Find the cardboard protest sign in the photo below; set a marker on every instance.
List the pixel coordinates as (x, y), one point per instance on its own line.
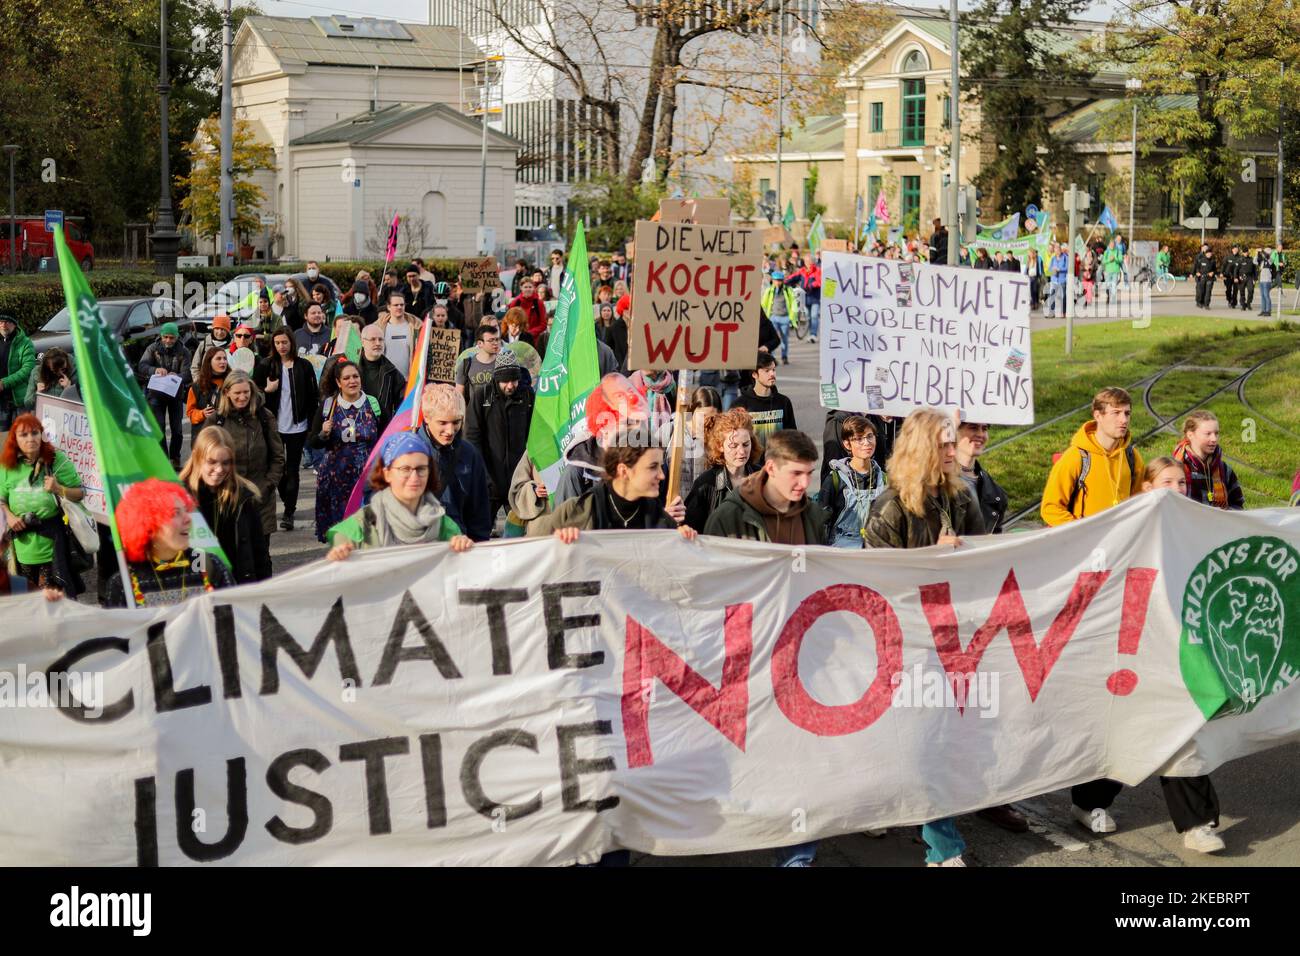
(702, 212)
(444, 347)
(775, 236)
(835, 245)
(479, 274)
(900, 335)
(510, 683)
(67, 428)
(695, 300)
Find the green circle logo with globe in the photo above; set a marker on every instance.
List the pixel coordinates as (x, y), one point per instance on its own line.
(1241, 625)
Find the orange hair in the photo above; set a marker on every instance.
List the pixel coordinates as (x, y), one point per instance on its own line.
(146, 507)
(27, 423)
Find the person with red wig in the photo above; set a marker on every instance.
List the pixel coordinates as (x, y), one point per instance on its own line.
(34, 475)
(153, 521)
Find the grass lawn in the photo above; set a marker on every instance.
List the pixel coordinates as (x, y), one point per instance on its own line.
(1207, 353)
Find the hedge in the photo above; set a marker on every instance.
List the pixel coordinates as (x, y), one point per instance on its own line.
(33, 298)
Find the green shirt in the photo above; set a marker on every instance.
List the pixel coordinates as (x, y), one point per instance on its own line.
(22, 495)
(351, 528)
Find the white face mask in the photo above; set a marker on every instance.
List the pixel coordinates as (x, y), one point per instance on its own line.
(361, 300)
(313, 273)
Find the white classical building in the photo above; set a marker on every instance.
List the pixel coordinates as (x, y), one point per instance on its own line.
(364, 119)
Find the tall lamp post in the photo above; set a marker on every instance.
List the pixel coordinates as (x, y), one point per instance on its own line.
(1133, 84)
(165, 240)
(12, 149)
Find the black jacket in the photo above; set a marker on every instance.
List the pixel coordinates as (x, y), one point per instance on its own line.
(392, 385)
(939, 247)
(616, 339)
(991, 499)
(1205, 265)
(175, 361)
(498, 427)
(707, 492)
(239, 530)
(770, 413)
(304, 392)
(893, 526)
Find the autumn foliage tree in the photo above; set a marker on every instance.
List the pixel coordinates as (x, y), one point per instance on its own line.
(203, 183)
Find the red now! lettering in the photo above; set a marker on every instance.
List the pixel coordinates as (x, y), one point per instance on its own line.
(793, 698)
(1009, 614)
(725, 707)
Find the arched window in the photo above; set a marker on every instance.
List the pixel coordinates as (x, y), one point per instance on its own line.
(915, 62)
(434, 211)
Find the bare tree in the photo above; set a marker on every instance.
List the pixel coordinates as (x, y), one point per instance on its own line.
(412, 234)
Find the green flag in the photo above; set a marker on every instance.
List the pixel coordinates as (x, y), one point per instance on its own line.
(125, 434)
(788, 219)
(570, 370)
(816, 234)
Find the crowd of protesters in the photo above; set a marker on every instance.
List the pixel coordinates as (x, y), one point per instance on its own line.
(464, 475)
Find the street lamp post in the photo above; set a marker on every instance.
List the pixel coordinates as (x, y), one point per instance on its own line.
(12, 149)
(1133, 84)
(165, 240)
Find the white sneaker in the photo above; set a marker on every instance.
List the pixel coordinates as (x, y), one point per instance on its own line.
(1203, 839)
(876, 834)
(812, 339)
(951, 861)
(1096, 820)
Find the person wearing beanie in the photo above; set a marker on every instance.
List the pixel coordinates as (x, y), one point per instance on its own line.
(218, 338)
(167, 356)
(496, 423)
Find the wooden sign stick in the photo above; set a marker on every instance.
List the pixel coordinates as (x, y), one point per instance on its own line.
(679, 447)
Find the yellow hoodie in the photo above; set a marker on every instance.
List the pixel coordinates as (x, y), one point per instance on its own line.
(1108, 483)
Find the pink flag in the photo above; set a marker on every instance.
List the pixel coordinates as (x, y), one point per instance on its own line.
(392, 238)
(409, 415)
(881, 212)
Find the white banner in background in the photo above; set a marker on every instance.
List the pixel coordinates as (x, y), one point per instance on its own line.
(898, 335)
(530, 703)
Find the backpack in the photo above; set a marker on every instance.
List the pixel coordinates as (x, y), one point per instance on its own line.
(1086, 465)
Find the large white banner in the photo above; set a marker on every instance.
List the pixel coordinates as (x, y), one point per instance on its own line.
(898, 335)
(530, 703)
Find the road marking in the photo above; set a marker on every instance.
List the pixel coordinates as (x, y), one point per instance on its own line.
(1039, 822)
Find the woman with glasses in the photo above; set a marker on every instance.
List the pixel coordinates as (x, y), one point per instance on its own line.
(405, 507)
(853, 484)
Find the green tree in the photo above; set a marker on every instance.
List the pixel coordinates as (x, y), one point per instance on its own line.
(1012, 52)
(203, 183)
(610, 207)
(1226, 58)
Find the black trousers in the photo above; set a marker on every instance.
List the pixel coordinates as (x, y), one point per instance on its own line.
(173, 409)
(1204, 286)
(1230, 287)
(289, 481)
(1192, 801)
(1246, 297)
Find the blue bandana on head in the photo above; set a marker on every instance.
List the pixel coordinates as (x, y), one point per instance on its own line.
(405, 443)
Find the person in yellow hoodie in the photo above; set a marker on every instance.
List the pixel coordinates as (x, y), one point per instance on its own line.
(1101, 467)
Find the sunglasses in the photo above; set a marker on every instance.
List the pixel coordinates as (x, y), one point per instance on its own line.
(243, 335)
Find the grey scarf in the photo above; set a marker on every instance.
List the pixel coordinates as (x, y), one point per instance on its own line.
(395, 525)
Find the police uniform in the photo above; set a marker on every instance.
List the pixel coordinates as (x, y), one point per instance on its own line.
(1204, 269)
(1231, 276)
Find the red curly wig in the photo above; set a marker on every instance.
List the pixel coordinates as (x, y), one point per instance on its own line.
(25, 423)
(146, 507)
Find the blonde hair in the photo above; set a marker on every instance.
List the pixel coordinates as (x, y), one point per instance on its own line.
(442, 398)
(214, 436)
(1156, 466)
(225, 407)
(1194, 420)
(916, 465)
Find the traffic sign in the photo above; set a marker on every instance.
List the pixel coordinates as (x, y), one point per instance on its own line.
(268, 219)
(1205, 210)
(53, 217)
(1201, 222)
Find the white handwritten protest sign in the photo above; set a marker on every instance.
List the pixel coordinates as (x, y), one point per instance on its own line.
(696, 298)
(900, 335)
(532, 702)
(68, 429)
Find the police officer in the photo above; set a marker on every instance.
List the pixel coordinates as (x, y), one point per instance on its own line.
(1247, 273)
(1231, 276)
(1204, 269)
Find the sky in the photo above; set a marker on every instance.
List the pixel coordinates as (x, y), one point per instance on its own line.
(417, 11)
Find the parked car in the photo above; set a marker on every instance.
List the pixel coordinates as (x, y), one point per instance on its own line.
(233, 298)
(134, 320)
(34, 243)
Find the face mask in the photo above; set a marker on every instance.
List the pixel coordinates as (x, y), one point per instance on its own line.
(360, 300)
(313, 273)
